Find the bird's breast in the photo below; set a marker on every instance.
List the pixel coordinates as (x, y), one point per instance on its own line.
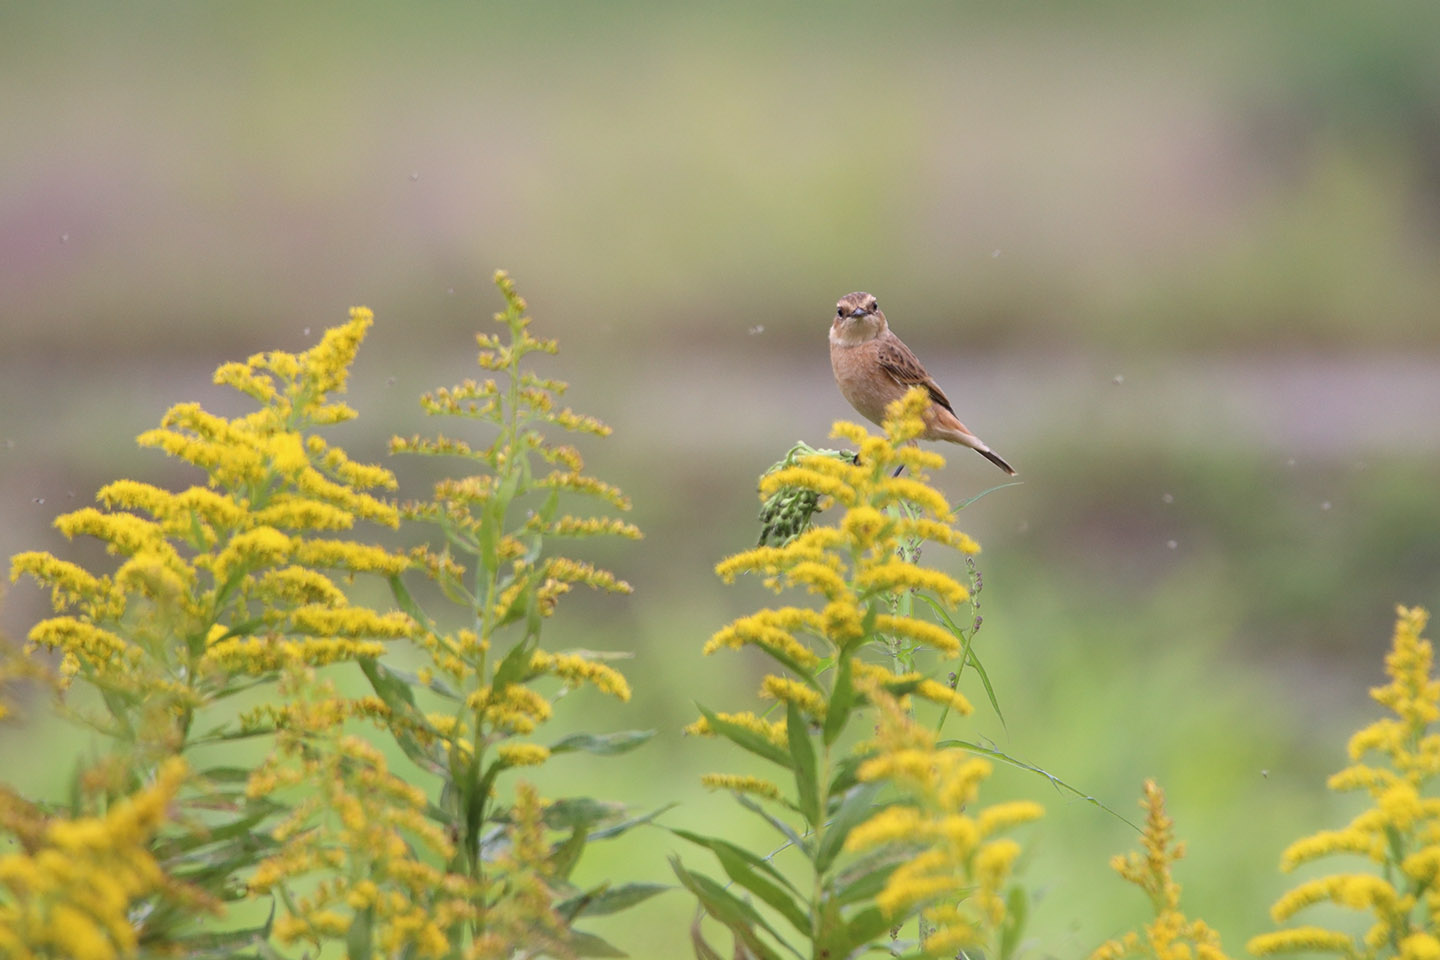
(862, 381)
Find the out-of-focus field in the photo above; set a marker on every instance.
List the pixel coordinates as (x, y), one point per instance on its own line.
(1178, 266)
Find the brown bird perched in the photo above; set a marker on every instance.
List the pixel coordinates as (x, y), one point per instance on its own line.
(873, 367)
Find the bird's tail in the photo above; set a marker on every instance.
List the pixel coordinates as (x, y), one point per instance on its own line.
(996, 459)
(956, 432)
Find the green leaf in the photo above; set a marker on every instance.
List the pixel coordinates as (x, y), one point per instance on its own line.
(967, 654)
(841, 698)
(514, 668)
(865, 879)
(1017, 906)
(740, 917)
(865, 926)
(564, 856)
(745, 738)
(581, 812)
(716, 845)
(395, 692)
(1055, 781)
(633, 822)
(802, 755)
(857, 806)
(745, 868)
(605, 744)
(406, 602)
(435, 684)
(605, 900)
(783, 903)
(780, 826)
(226, 944)
(360, 936)
(965, 503)
(584, 944)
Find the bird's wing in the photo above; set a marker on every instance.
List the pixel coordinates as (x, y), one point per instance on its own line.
(897, 360)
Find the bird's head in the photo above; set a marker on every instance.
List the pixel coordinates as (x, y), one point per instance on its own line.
(857, 319)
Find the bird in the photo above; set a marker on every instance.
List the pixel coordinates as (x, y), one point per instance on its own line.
(873, 367)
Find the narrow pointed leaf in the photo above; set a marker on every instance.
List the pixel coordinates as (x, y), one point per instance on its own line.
(716, 845)
(865, 927)
(802, 756)
(594, 903)
(841, 698)
(630, 824)
(1055, 781)
(605, 744)
(857, 806)
(865, 880)
(783, 828)
(585, 944)
(746, 738)
(740, 917)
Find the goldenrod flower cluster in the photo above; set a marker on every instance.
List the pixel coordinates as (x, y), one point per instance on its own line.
(70, 891)
(361, 829)
(520, 919)
(854, 569)
(959, 872)
(488, 684)
(234, 577)
(1400, 832)
(214, 589)
(1170, 936)
(495, 562)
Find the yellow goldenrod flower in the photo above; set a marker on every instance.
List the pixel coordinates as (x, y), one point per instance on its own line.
(1394, 761)
(774, 732)
(575, 669)
(1169, 936)
(758, 786)
(1298, 939)
(72, 890)
(522, 754)
(895, 576)
(808, 699)
(955, 850)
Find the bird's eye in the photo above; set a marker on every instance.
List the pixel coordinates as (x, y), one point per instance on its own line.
(874, 304)
(839, 311)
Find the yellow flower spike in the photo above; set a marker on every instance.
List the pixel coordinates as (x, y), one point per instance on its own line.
(1420, 946)
(522, 754)
(1170, 935)
(575, 669)
(863, 524)
(937, 692)
(898, 824)
(953, 844)
(809, 700)
(908, 489)
(1400, 831)
(920, 631)
(69, 583)
(811, 478)
(756, 786)
(895, 575)
(905, 417)
(774, 732)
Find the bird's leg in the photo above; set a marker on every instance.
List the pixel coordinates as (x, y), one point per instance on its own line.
(912, 443)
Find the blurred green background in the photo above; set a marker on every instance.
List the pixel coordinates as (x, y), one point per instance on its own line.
(1179, 265)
